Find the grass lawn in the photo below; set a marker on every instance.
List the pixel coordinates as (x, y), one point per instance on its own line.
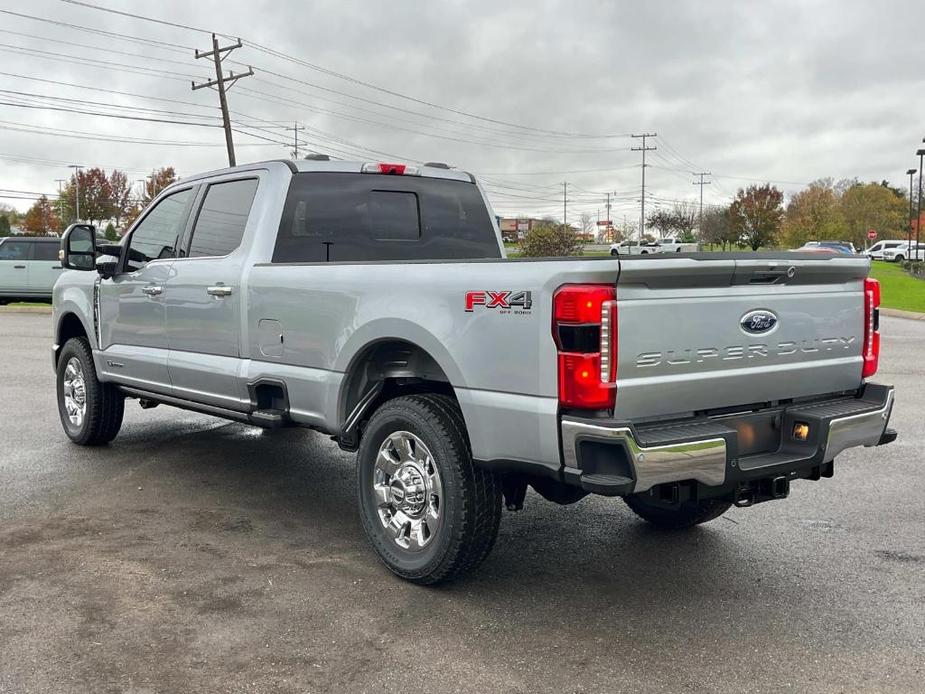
(898, 289)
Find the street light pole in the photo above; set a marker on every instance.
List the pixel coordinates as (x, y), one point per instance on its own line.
(77, 168)
(918, 207)
(910, 173)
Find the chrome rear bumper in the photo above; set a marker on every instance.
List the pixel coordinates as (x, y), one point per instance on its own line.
(617, 458)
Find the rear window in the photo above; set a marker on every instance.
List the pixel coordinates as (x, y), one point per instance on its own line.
(45, 251)
(347, 217)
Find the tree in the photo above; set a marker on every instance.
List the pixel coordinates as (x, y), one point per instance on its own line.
(96, 200)
(156, 182)
(110, 233)
(755, 215)
(679, 221)
(814, 214)
(120, 193)
(41, 219)
(717, 229)
(661, 220)
(548, 239)
(874, 206)
(4, 225)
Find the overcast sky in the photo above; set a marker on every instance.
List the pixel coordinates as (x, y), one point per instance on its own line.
(780, 91)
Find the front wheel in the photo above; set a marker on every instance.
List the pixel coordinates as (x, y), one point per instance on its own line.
(428, 511)
(667, 517)
(614, 251)
(91, 412)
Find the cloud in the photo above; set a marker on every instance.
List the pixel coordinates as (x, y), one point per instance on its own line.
(785, 91)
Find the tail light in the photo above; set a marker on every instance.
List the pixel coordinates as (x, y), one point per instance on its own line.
(393, 169)
(871, 327)
(585, 331)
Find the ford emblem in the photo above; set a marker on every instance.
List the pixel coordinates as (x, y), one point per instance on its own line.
(758, 322)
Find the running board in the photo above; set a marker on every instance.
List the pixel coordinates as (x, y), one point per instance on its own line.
(266, 419)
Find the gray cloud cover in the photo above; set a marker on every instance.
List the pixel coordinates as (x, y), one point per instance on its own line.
(786, 91)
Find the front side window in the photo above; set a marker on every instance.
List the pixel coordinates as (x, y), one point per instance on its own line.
(14, 250)
(220, 225)
(156, 235)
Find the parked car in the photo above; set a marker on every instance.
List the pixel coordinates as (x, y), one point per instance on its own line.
(373, 303)
(905, 251)
(875, 252)
(29, 267)
(843, 247)
(675, 246)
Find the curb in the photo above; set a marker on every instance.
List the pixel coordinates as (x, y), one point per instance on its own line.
(899, 313)
(26, 309)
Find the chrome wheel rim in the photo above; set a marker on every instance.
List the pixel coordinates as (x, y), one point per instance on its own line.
(408, 491)
(75, 392)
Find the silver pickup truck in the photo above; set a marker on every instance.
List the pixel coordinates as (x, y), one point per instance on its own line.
(374, 303)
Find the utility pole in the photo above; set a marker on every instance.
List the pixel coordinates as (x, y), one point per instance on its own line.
(701, 183)
(565, 203)
(609, 227)
(219, 82)
(77, 168)
(642, 202)
(295, 138)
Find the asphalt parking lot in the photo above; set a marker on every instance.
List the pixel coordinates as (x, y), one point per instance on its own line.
(199, 555)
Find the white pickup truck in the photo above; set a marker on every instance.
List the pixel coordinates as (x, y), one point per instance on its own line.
(374, 303)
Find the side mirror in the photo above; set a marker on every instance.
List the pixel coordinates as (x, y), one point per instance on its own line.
(78, 247)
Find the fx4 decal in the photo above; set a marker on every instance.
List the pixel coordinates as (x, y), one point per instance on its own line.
(507, 301)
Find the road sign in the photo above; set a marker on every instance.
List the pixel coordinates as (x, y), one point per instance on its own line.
(871, 234)
(605, 223)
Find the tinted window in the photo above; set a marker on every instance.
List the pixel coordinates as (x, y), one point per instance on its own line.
(45, 251)
(345, 217)
(222, 218)
(14, 250)
(156, 235)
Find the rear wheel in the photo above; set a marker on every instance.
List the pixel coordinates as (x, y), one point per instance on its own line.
(428, 511)
(91, 412)
(688, 514)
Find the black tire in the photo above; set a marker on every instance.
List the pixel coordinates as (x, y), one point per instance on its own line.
(104, 405)
(899, 258)
(614, 251)
(471, 496)
(666, 517)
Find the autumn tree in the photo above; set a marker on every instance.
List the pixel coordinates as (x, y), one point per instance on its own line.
(814, 214)
(41, 219)
(874, 206)
(156, 182)
(120, 191)
(4, 224)
(755, 215)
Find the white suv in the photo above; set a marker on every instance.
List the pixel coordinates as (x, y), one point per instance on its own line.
(876, 251)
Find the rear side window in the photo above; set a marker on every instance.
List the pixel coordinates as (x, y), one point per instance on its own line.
(15, 250)
(220, 225)
(349, 217)
(45, 251)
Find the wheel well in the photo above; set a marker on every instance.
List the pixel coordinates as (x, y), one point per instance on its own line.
(68, 327)
(380, 372)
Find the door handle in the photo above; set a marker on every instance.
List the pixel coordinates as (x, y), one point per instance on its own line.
(219, 290)
(153, 290)
(19, 267)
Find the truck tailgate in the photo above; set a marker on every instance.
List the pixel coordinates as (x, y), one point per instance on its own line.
(699, 333)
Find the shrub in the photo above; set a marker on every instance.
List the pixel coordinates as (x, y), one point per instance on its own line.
(548, 240)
